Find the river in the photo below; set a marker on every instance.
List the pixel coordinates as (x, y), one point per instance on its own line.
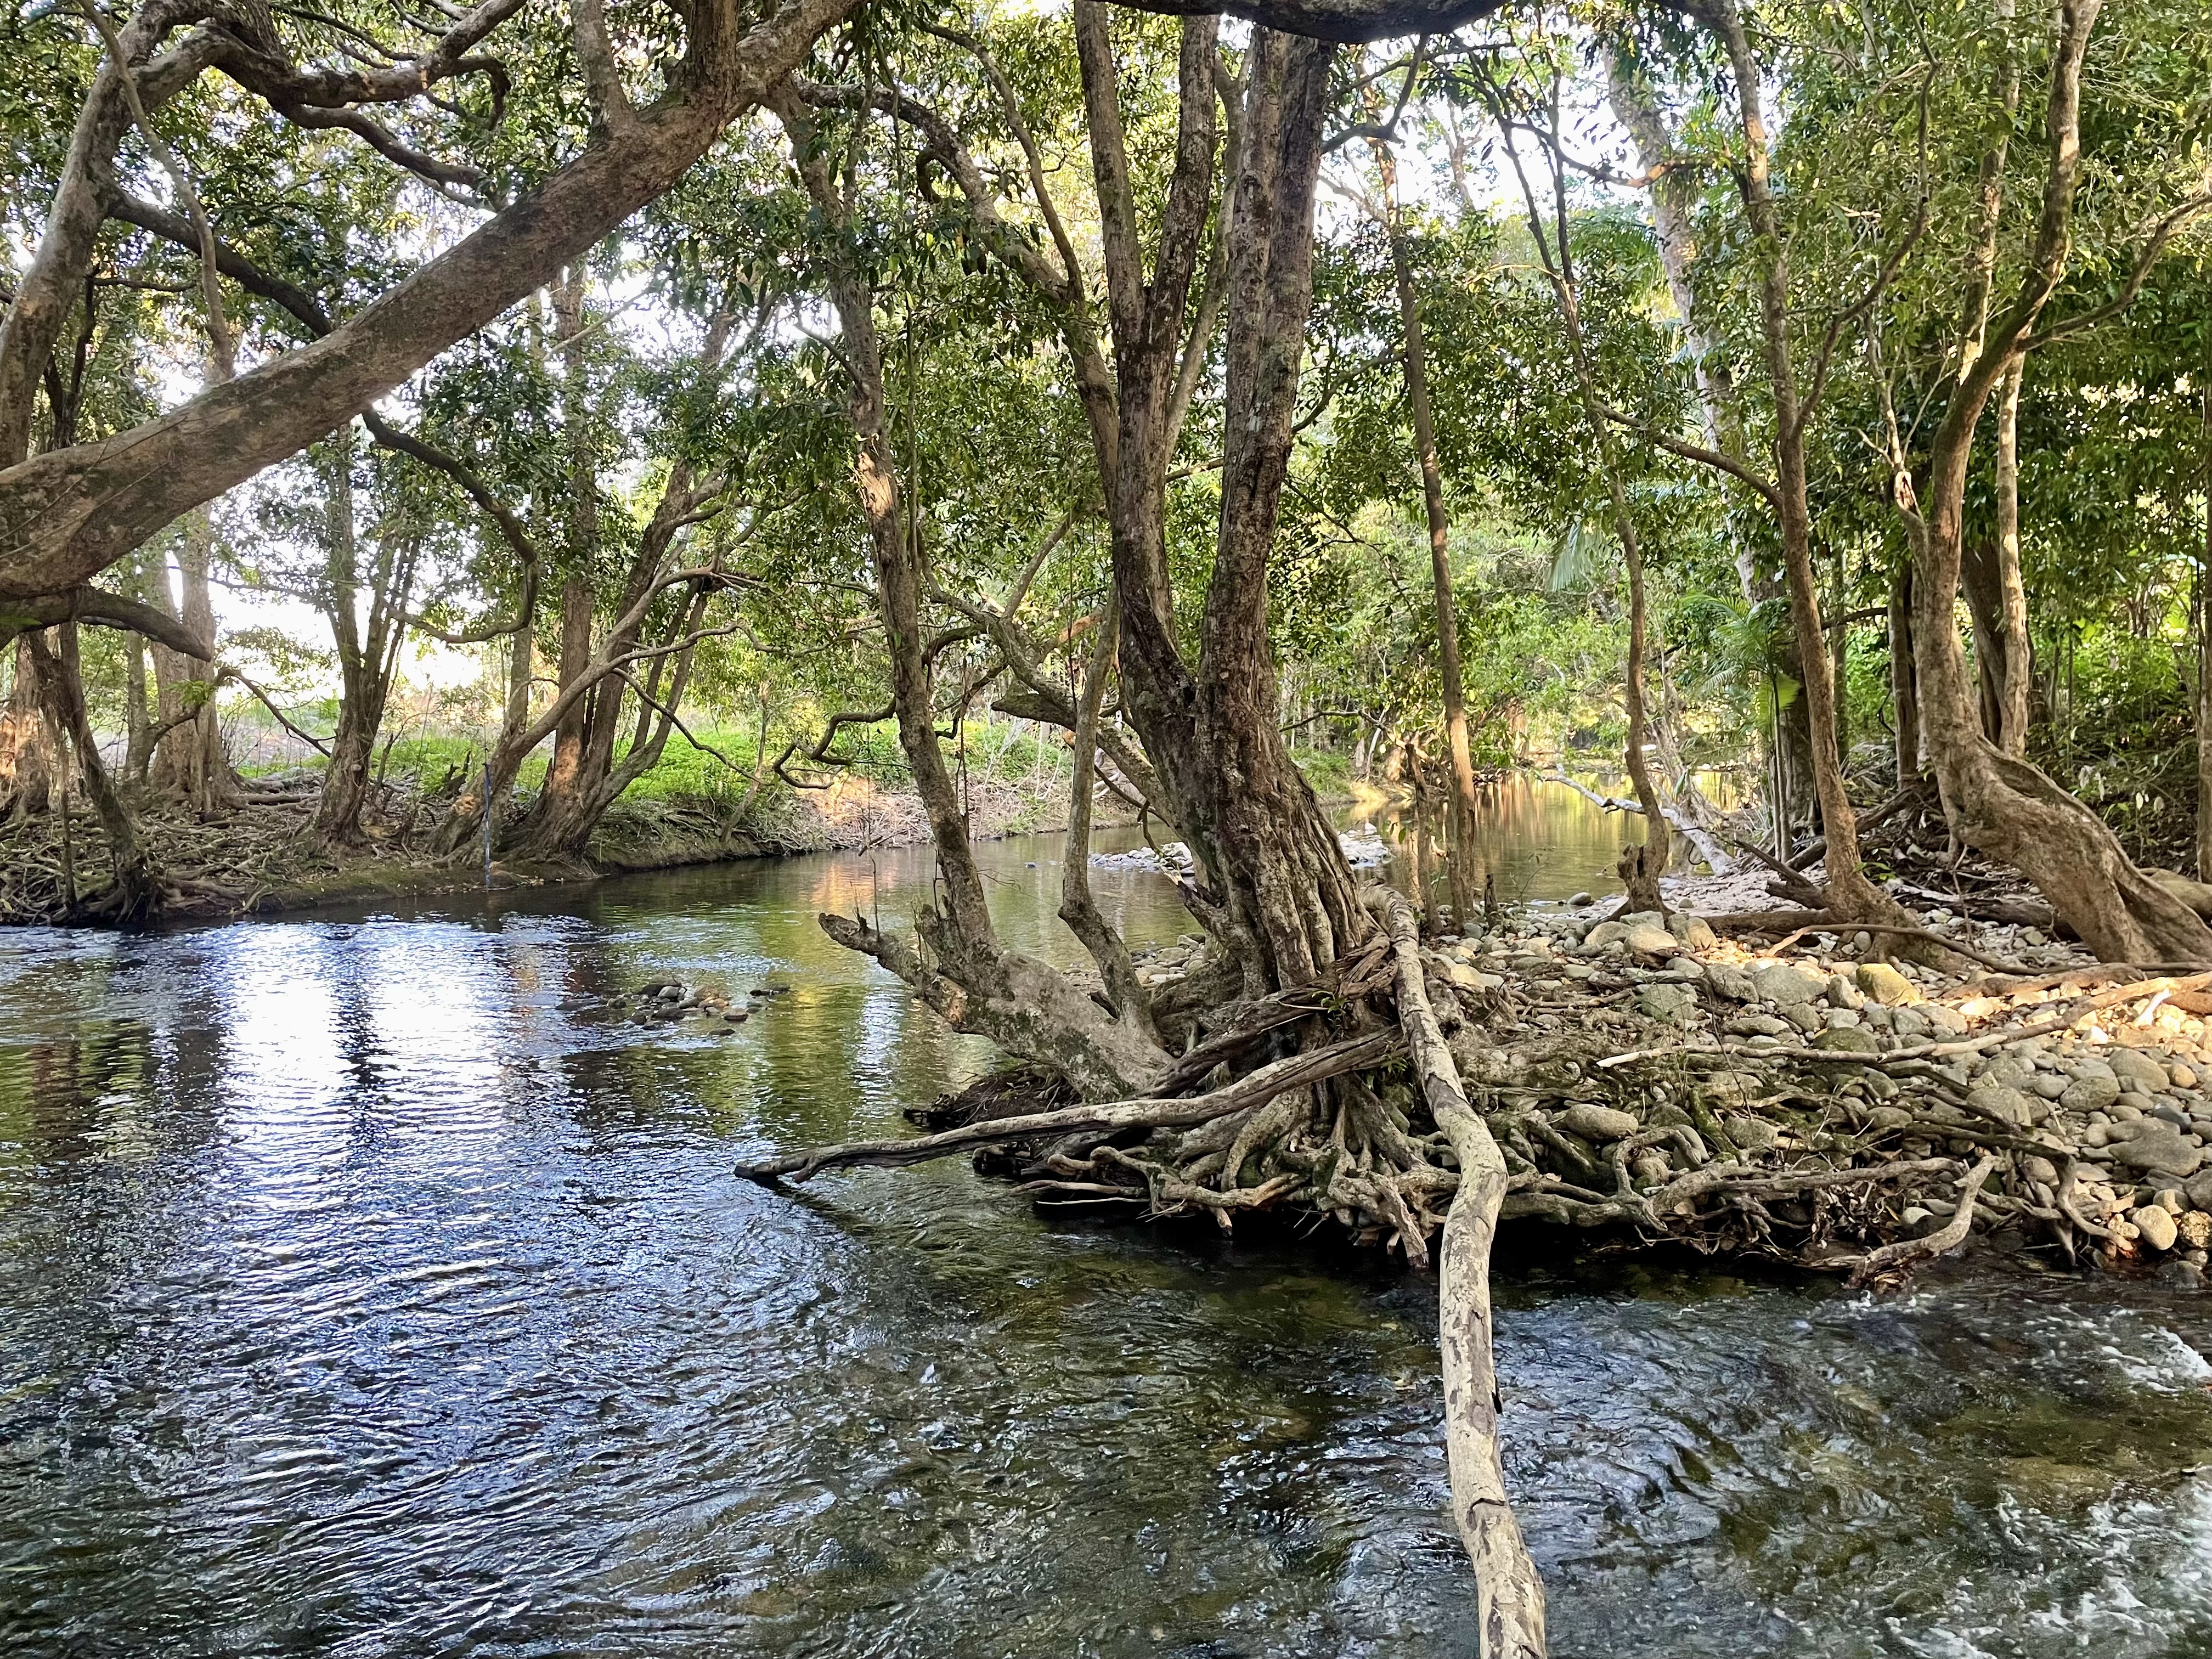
(371, 1285)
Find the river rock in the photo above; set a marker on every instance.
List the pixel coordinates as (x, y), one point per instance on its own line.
(2180, 1076)
(1580, 899)
(1909, 1023)
(2130, 1063)
(1885, 985)
(1842, 994)
(1779, 982)
(1660, 1000)
(2007, 1103)
(1753, 1134)
(2040, 1169)
(1647, 939)
(1943, 1022)
(1848, 1039)
(2049, 1085)
(1756, 1025)
(1605, 933)
(2195, 1228)
(1692, 931)
(2010, 1070)
(2089, 1094)
(2155, 1225)
(1731, 982)
(1688, 969)
(1804, 1016)
(1735, 1088)
(1888, 1117)
(2155, 1148)
(1598, 1123)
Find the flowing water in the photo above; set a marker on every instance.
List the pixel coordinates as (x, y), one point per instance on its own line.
(370, 1285)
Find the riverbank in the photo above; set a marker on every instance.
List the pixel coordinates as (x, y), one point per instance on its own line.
(1803, 1101)
(263, 857)
(1817, 1104)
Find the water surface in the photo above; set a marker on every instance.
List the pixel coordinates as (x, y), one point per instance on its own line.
(370, 1286)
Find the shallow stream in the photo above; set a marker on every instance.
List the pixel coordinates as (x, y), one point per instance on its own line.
(370, 1286)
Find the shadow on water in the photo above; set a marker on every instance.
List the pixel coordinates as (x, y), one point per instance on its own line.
(370, 1284)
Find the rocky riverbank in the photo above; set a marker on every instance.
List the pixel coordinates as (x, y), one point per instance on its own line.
(1814, 1101)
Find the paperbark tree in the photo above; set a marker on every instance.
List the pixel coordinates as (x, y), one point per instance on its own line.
(368, 641)
(1796, 397)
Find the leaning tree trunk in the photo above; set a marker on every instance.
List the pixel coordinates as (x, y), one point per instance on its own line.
(2002, 805)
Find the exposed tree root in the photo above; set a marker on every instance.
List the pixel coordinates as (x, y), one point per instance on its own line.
(1425, 1097)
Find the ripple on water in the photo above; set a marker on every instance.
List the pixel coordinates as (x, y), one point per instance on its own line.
(370, 1287)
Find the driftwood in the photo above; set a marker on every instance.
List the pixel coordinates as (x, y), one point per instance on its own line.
(1681, 822)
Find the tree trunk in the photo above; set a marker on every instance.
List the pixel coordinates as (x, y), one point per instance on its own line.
(191, 761)
(1998, 804)
(1462, 805)
(138, 727)
(1026, 1007)
(1288, 895)
(2204, 659)
(553, 819)
(1904, 682)
(2011, 735)
(1851, 896)
(29, 762)
(134, 896)
(70, 514)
